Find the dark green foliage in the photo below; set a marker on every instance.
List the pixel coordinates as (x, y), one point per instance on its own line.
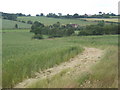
(58, 30)
(118, 29)
(83, 33)
(29, 22)
(76, 15)
(99, 15)
(101, 23)
(52, 15)
(37, 15)
(16, 26)
(9, 16)
(95, 29)
(111, 29)
(20, 14)
(38, 36)
(23, 21)
(41, 14)
(37, 28)
(100, 29)
(29, 15)
(55, 30)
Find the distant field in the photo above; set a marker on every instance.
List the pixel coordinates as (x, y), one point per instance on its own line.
(105, 19)
(23, 56)
(49, 21)
(9, 24)
(15, 30)
(114, 16)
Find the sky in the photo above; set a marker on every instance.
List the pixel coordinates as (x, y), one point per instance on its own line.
(81, 7)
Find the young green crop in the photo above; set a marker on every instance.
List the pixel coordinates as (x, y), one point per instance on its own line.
(23, 56)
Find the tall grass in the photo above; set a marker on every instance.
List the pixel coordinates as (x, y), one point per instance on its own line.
(22, 57)
(106, 71)
(104, 74)
(57, 81)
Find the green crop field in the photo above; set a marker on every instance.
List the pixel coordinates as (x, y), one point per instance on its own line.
(8, 24)
(23, 56)
(49, 21)
(102, 75)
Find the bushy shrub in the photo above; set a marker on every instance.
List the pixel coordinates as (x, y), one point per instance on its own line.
(37, 36)
(100, 29)
(55, 30)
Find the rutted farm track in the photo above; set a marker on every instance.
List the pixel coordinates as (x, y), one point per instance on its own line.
(81, 63)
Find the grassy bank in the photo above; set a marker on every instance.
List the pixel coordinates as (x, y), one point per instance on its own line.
(105, 73)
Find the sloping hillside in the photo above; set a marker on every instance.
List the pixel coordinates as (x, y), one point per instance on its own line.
(9, 24)
(49, 21)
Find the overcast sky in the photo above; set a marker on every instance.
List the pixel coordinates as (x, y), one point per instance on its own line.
(34, 7)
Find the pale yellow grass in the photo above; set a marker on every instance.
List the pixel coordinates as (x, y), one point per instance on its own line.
(100, 19)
